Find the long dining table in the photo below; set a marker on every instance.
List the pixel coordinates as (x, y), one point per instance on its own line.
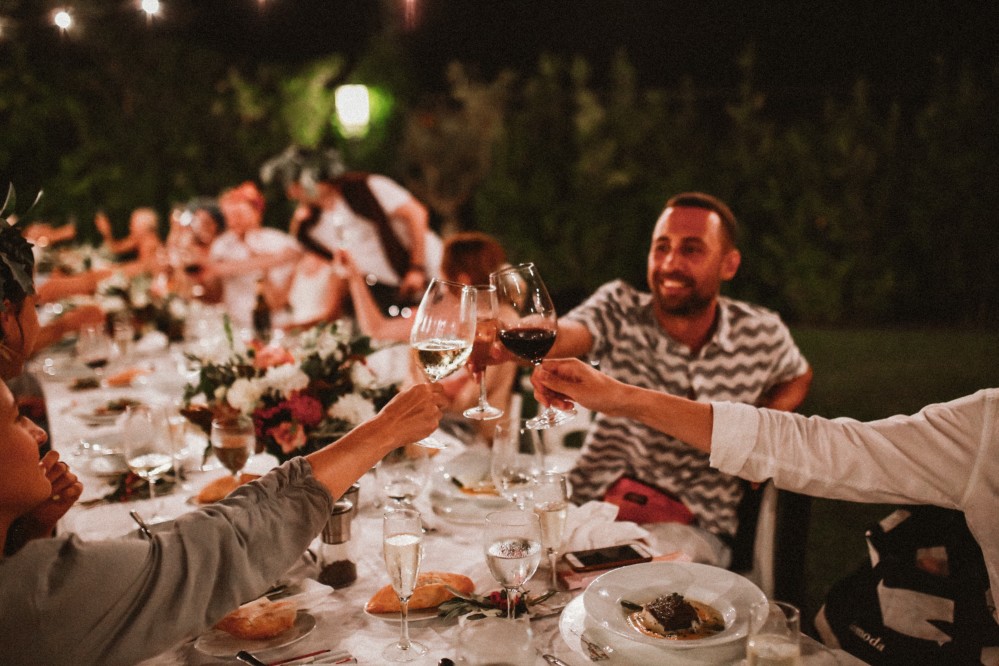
(341, 624)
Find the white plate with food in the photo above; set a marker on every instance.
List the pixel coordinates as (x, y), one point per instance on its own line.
(672, 605)
(104, 412)
(462, 488)
(218, 643)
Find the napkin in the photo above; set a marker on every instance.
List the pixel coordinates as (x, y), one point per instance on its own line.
(592, 525)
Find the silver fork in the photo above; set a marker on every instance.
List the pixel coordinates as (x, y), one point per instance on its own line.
(596, 652)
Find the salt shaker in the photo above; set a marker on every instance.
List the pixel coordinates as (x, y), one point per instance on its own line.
(336, 553)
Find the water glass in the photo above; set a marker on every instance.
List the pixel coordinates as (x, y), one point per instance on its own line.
(496, 640)
(774, 635)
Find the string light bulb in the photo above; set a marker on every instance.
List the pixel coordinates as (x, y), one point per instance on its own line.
(63, 19)
(151, 7)
(353, 108)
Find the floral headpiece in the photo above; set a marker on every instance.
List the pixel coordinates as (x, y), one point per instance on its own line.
(17, 261)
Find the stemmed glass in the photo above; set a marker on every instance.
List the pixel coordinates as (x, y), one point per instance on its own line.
(233, 441)
(403, 473)
(512, 541)
(485, 336)
(443, 332)
(551, 503)
(93, 347)
(402, 540)
(528, 325)
(515, 461)
(148, 447)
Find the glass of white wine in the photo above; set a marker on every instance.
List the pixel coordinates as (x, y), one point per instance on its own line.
(233, 442)
(443, 333)
(148, 447)
(515, 461)
(402, 543)
(774, 635)
(512, 543)
(551, 503)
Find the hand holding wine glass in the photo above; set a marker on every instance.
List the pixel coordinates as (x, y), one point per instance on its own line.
(233, 442)
(443, 332)
(485, 335)
(512, 542)
(528, 325)
(402, 539)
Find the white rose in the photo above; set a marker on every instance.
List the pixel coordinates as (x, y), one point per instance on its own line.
(244, 394)
(177, 308)
(362, 376)
(352, 408)
(285, 379)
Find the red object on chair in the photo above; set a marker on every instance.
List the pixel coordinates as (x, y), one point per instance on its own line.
(641, 503)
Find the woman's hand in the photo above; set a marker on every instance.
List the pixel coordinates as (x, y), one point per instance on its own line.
(66, 490)
(413, 413)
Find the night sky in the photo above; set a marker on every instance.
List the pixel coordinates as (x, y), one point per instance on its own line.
(805, 49)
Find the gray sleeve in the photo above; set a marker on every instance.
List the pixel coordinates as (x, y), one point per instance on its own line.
(602, 315)
(66, 601)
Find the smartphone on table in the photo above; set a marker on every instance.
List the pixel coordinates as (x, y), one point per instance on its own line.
(608, 558)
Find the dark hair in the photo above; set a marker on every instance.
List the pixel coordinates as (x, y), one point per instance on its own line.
(715, 205)
(210, 206)
(473, 253)
(304, 166)
(17, 266)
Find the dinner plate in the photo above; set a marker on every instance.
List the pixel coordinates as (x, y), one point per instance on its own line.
(728, 593)
(218, 643)
(415, 616)
(95, 412)
(467, 469)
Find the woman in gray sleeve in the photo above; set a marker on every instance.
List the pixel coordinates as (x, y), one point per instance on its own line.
(947, 455)
(65, 601)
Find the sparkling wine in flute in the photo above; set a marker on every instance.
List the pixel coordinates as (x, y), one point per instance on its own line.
(403, 553)
(439, 358)
(513, 561)
(151, 465)
(552, 516)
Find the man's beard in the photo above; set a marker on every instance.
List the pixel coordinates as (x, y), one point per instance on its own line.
(694, 303)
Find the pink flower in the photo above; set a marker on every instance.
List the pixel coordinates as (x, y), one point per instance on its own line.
(289, 435)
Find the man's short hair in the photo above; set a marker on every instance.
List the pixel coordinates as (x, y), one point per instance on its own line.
(715, 205)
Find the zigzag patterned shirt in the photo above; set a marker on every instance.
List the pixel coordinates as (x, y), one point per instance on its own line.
(751, 351)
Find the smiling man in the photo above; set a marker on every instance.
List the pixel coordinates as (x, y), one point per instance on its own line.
(685, 339)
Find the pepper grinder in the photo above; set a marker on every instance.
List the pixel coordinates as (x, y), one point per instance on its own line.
(336, 552)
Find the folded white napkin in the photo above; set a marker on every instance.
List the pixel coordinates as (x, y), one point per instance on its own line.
(592, 525)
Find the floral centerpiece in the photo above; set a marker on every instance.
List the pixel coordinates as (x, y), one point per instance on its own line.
(299, 401)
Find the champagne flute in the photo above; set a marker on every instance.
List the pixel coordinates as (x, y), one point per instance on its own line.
(485, 336)
(443, 332)
(512, 541)
(402, 539)
(403, 473)
(93, 347)
(528, 325)
(551, 503)
(147, 445)
(233, 441)
(515, 461)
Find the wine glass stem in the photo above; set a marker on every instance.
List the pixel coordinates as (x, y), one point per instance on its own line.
(509, 602)
(552, 559)
(482, 390)
(152, 488)
(404, 637)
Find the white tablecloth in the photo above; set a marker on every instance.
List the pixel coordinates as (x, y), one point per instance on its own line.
(340, 620)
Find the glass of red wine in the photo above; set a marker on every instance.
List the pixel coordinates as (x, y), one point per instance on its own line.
(93, 348)
(528, 325)
(485, 336)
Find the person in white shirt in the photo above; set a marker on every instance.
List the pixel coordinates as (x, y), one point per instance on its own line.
(247, 252)
(946, 455)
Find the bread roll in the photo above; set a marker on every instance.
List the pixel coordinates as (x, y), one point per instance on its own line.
(431, 591)
(259, 619)
(222, 486)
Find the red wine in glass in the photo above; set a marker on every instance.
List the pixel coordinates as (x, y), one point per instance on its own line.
(529, 343)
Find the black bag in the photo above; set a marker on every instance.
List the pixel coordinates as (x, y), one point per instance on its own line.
(922, 599)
